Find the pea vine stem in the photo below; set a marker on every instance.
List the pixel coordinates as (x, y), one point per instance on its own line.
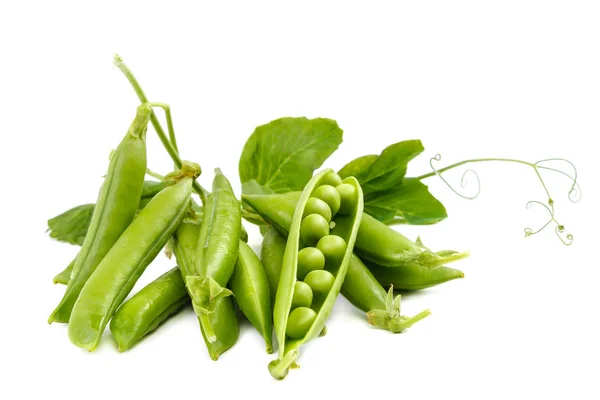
(574, 193)
(473, 160)
(169, 143)
(154, 174)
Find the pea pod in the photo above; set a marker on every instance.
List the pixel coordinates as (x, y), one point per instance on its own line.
(376, 241)
(250, 287)
(413, 277)
(148, 308)
(293, 327)
(216, 252)
(118, 271)
(271, 255)
(115, 208)
(361, 288)
(223, 320)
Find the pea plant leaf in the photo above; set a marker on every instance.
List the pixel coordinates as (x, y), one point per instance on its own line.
(253, 187)
(358, 166)
(388, 195)
(385, 171)
(282, 155)
(72, 225)
(409, 203)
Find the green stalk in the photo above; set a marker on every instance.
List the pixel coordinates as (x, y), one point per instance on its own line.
(169, 145)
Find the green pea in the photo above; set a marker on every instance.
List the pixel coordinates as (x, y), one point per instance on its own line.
(320, 281)
(329, 195)
(333, 248)
(347, 194)
(309, 259)
(303, 295)
(313, 228)
(317, 206)
(332, 179)
(299, 322)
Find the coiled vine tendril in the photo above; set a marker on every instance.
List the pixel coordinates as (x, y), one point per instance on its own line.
(574, 194)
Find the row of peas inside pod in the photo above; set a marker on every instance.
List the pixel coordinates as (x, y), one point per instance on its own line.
(315, 262)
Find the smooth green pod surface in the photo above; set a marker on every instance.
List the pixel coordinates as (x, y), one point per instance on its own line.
(223, 320)
(271, 255)
(413, 277)
(115, 208)
(250, 287)
(217, 250)
(361, 288)
(220, 232)
(148, 308)
(288, 347)
(120, 269)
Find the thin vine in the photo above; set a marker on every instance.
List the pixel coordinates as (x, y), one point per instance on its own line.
(574, 194)
(169, 143)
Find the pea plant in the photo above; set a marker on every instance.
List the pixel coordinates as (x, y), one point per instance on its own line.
(324, 233)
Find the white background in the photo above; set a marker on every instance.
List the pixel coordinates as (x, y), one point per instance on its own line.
(471, 79)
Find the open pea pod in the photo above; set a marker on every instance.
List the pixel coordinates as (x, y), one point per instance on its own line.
(319, 259)
(360, 286)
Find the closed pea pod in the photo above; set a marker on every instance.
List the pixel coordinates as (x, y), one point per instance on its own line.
(361, 288)
(250, 287)
(297, 326)
(119, 270)
(413, 277)
(224, 319)
(376, 241)
(216, 252)
(271, 256)
(115, 209)
(148, 308)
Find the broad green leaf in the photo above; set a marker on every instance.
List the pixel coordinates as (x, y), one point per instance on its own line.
(357, 166)
(72, 225)
(253, 187)
(385, 172)
(411, 201)
(283, 154)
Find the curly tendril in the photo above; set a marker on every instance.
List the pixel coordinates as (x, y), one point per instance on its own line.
(464, 180)
(574, 194)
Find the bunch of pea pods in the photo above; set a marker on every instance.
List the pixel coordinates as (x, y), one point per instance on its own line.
(317, 243)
